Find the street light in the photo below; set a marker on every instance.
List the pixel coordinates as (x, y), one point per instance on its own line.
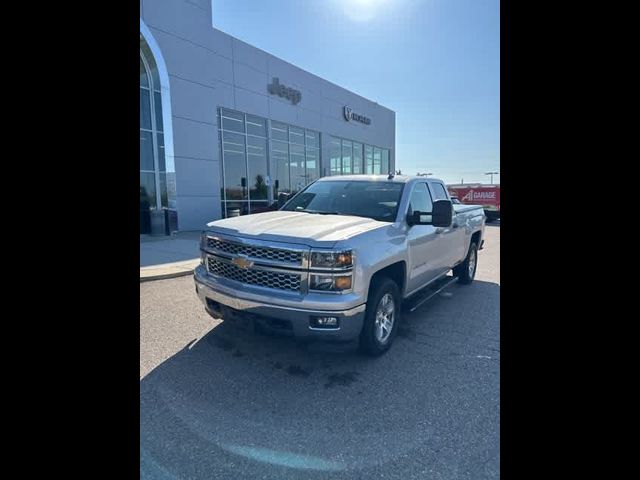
(492, 174)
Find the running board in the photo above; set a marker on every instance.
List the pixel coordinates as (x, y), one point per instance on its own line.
(445, 283)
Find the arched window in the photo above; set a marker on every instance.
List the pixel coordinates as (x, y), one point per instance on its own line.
(153, 171)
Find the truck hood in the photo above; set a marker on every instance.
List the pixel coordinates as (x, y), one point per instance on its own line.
(296, 227)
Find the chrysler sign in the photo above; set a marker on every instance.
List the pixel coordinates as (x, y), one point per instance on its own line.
(349, 115)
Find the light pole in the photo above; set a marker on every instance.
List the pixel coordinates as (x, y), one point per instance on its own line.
(492, 174)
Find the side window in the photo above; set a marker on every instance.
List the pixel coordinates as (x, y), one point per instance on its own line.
(438, 192)
(420, 199)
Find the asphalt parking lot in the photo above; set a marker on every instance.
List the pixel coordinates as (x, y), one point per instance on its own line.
(221, 402)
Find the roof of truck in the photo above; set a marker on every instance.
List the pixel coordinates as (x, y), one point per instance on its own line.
(362, 178)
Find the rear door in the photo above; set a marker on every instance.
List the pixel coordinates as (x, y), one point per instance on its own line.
(450, 240)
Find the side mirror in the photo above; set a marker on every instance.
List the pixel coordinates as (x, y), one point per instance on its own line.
(418, 218)
(440, 216)
(442, 213)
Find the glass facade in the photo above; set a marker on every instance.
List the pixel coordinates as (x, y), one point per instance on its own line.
(249, 168)
(296, 157)
(348, 157)
(157, 177)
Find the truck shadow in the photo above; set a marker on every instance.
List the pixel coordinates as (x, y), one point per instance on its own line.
(239, 404)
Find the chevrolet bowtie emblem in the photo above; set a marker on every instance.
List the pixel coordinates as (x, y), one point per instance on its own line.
(242, 262)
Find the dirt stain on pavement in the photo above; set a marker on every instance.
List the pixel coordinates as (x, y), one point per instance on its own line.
(298, 370)
(342, 379)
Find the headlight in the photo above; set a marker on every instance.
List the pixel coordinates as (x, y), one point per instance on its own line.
(330, 283)
(321, 259)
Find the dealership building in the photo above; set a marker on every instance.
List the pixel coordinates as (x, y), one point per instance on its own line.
(226, 128)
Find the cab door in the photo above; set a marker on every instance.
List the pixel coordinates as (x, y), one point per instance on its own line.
(422, 242)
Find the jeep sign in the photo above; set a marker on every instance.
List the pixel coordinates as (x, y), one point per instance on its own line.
(289, 93)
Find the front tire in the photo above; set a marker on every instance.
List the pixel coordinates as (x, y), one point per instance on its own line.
(466, 271)
(381, 317)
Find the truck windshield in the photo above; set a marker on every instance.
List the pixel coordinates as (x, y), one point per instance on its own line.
(372, 199)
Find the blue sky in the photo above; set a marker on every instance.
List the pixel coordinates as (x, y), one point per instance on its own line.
(436, 63)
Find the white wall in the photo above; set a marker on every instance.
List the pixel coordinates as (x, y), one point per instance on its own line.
(210, 69)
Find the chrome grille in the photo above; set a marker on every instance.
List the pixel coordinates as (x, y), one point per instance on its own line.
(266, 253)
(253, 276)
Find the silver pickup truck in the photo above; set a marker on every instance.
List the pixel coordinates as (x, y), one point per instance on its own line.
(339, 258)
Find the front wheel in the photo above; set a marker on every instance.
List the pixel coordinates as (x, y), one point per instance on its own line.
(381, 317)
(466, 271)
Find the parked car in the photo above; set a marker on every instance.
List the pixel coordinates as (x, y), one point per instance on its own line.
(339, 258)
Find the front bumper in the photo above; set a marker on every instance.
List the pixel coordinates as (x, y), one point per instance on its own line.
(220, 301)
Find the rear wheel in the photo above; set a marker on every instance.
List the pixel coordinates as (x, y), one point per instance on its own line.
(466, 271)
(381, 317)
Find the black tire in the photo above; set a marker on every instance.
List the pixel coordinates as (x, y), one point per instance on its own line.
(462, 271)
(369, 341)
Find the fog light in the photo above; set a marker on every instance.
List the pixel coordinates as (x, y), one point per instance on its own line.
(324, 322)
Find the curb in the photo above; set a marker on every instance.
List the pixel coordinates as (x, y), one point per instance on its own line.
(169, 270)
(163, 276)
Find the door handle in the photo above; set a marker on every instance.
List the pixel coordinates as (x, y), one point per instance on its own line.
(439, 230)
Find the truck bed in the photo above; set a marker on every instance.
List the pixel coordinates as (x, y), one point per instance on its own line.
(461, 208)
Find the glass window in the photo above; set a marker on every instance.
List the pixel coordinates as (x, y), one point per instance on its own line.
(164, 199)
(384, 165)
(144, 78)
(232, 125)
(153, 162)
(235, 174)
(377, 154)
(145, 109)
(357, 158)
(296, 162)
(296, 135)
(231, 114)
(279, 131)
(258, 207)
(335, 153)
(280, 165)
(257, 157)
(233, 142)
(161, 161)
(347, 152)
(146, 151)
(153, 69)
(438, 192)
(313, 164)
(256, 126)
(368, 159)
(147, 191)
(235, 208)
(312, 139)
(420, 200)
(158, 109)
